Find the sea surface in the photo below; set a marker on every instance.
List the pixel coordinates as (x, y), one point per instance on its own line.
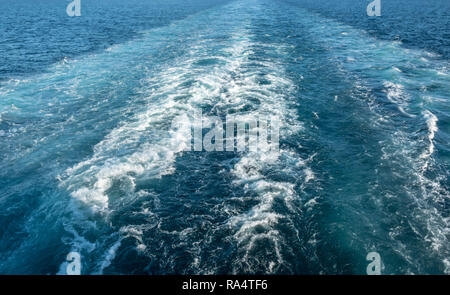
(90, 163)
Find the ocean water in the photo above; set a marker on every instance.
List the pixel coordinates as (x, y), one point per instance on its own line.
(89, 162)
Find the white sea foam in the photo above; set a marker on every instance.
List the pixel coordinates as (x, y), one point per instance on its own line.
(109, 256)
(396, 94)
(447, 265)
(432, 129)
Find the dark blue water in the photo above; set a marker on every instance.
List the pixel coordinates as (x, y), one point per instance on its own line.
(89, 161)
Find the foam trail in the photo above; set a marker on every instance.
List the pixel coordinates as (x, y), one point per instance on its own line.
(431, 120)
(145, 147)
(260, 222)
(399, 73)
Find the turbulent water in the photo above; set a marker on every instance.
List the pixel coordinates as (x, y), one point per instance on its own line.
(89, 161)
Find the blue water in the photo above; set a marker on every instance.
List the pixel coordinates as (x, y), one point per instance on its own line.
(89, 162)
